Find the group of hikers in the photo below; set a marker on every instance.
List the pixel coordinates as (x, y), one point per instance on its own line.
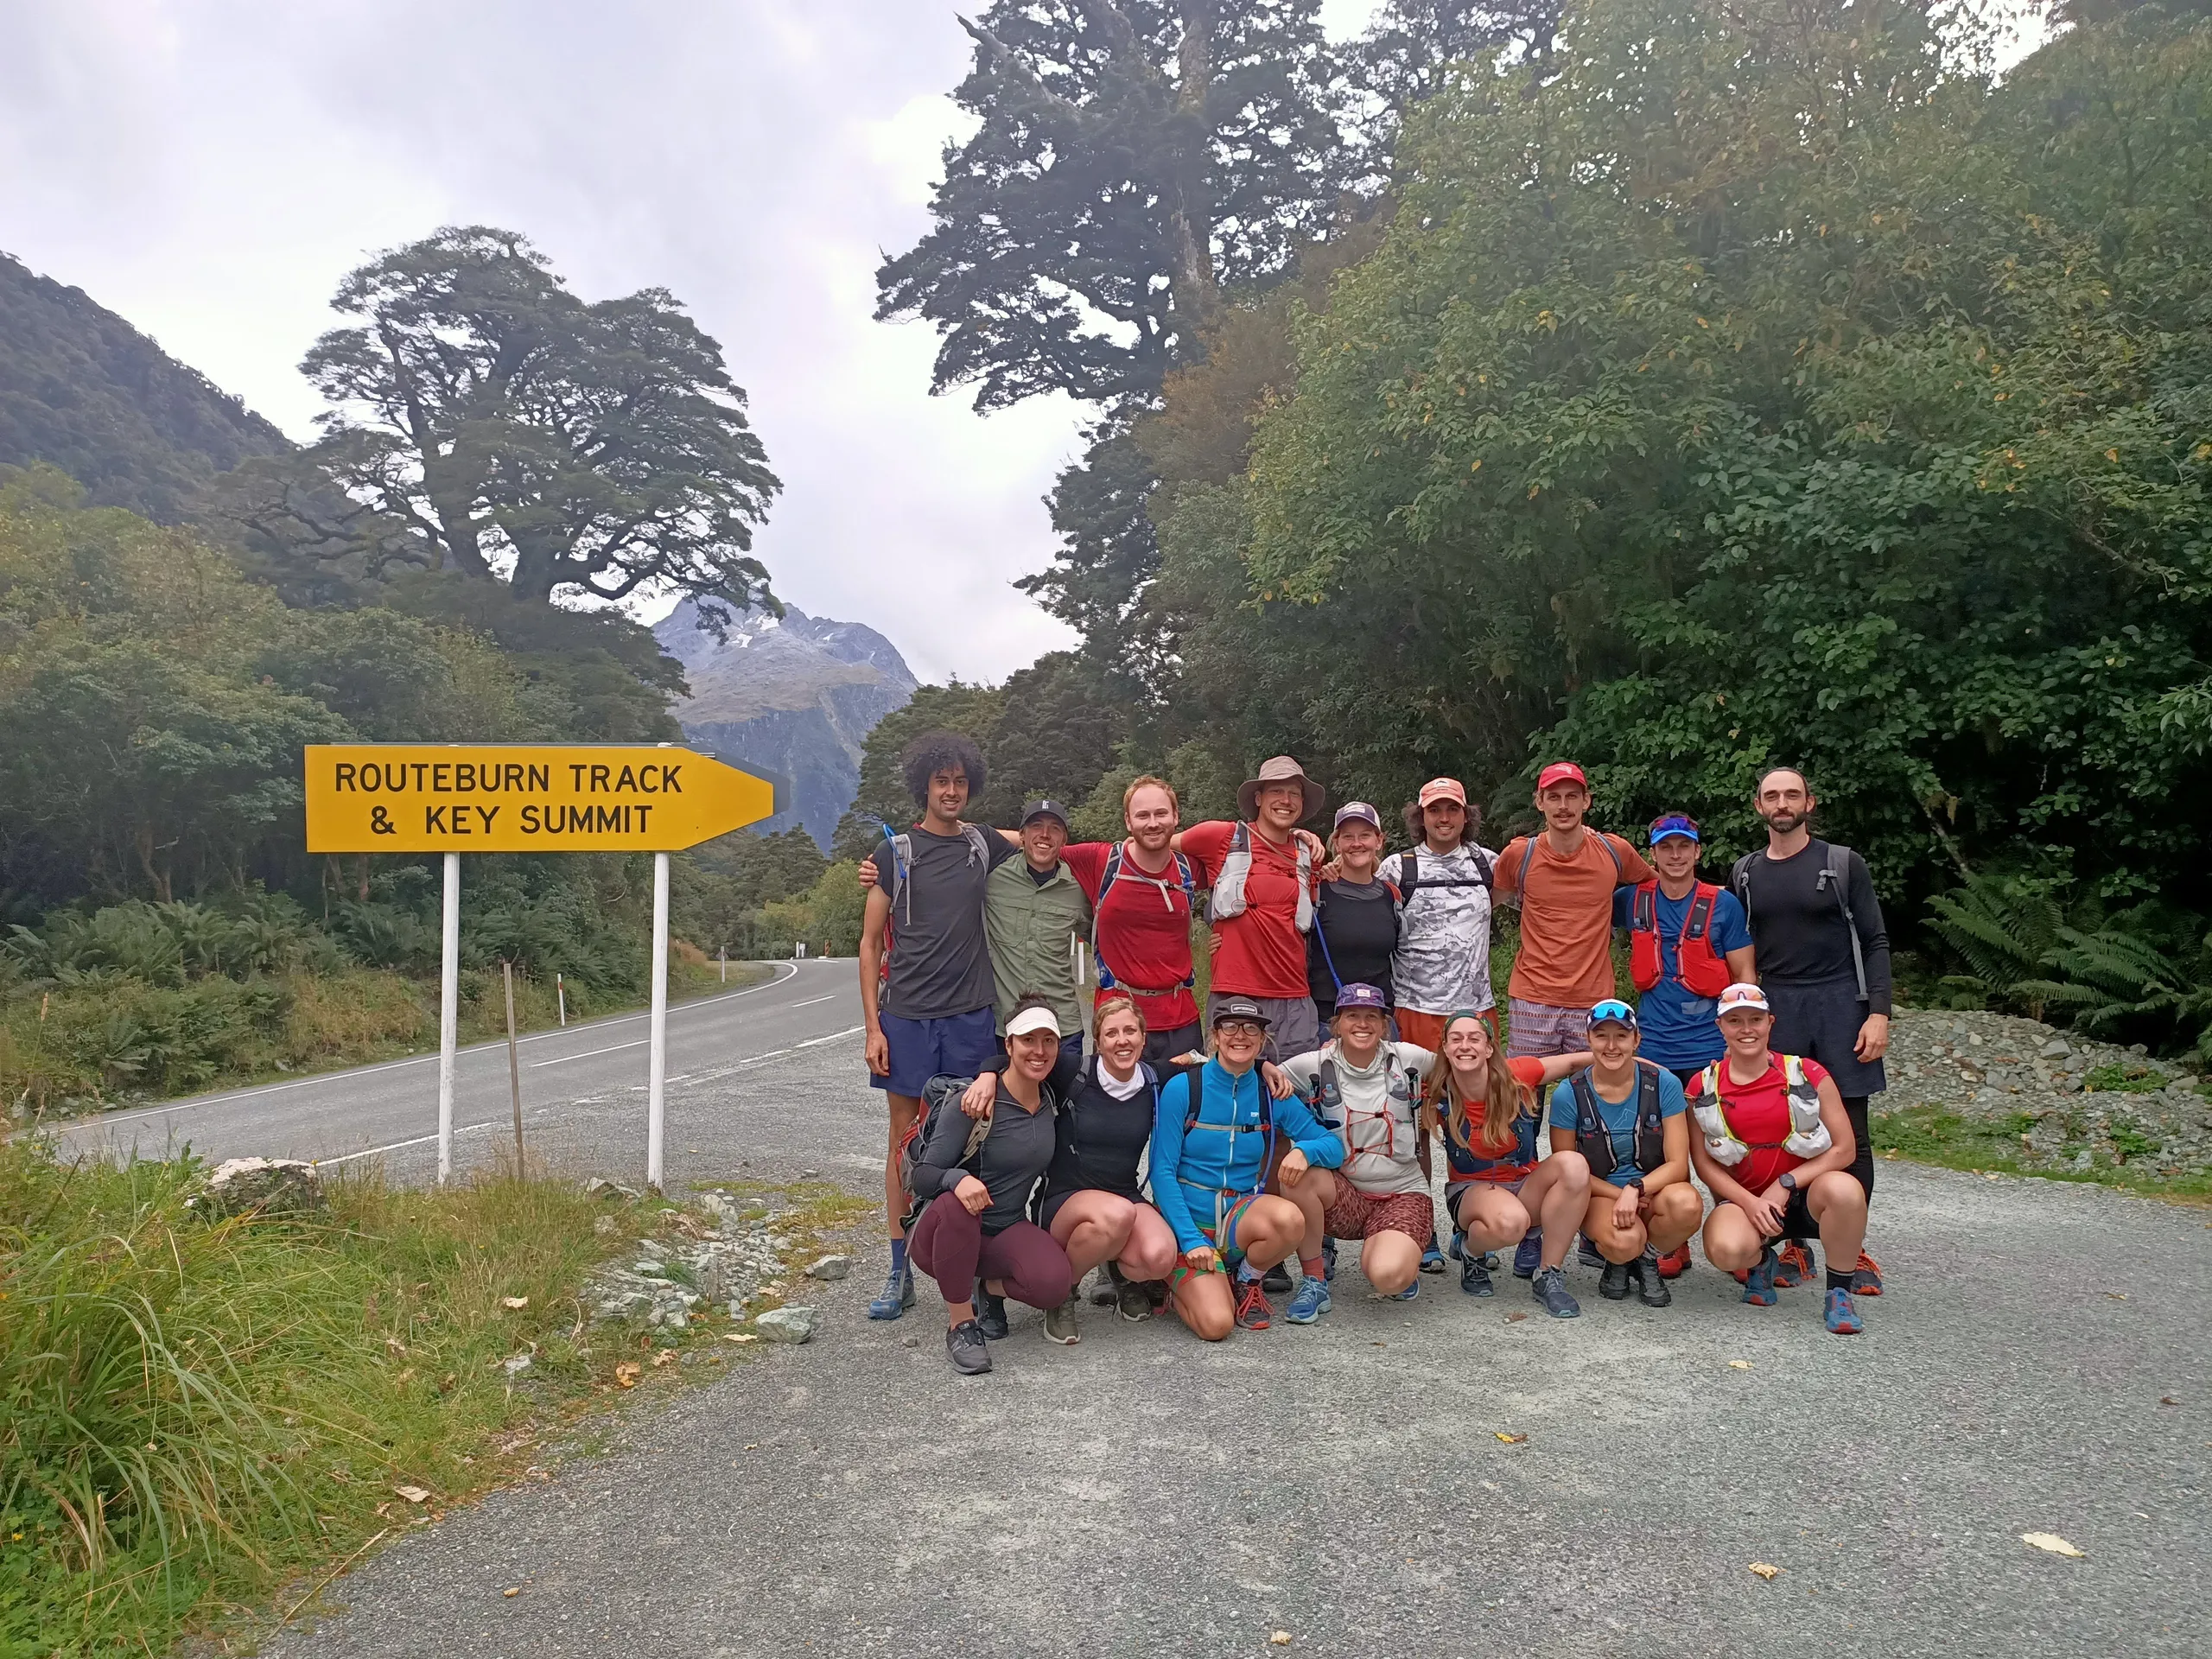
(1200, 1161)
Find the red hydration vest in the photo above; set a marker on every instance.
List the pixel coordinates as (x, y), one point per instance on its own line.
(1704, 971)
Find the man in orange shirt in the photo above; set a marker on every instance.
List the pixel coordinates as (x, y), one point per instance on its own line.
(1563, 880)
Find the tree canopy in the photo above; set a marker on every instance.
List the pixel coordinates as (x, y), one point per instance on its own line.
(485, 421)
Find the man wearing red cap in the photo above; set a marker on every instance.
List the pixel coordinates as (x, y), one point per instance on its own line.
(1564, 880)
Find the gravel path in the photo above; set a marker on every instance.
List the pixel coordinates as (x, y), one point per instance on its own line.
(1141, 1493)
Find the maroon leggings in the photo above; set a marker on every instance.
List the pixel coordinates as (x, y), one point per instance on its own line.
(949, 1244)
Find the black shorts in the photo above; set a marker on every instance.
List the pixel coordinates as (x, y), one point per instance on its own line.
(1161, 1047)
(1820, 1022)
(1797, 1219)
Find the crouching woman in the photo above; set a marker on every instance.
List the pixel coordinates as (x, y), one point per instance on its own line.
(1211, 1144)
(976, 1178)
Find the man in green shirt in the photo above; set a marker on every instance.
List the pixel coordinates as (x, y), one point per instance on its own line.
(1033, 915)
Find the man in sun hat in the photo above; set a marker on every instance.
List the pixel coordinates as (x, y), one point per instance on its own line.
(1262, 873)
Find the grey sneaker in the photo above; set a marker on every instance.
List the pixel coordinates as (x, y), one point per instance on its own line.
(1059, 1323)
(1136, 1302)
(965, 1347)
(1612, 1284)
(1549, 1287)
(1106, 1286)
(1651, 1288)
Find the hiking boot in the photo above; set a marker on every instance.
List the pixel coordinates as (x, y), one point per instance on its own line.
(1841, 1317)
(1059, 1323)
(1135, 1301)
(1650, 1269)
(1432, 1254)
(1106, 1286)
(1866, 1277)
(1276, 1279)
(1329, 1260)
(1588, 1254)
(1549, 1287)
(990, 1313)
(1474, 1277)
(965, 1347)
(1792, 1266)
(1310, 1302)
(898, 1295)
(1612, 1284)
(1528, 1255)
(1676, 1261)
(1254, 1313)
(1758, 1280)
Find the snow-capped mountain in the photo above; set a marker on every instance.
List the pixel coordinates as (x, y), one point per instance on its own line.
(797, 696)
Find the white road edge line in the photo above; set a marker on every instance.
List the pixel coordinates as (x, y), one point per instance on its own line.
(811, 1000)
(562, 1059)
(426, 1059)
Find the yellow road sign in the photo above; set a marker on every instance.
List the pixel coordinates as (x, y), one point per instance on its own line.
(524, 797)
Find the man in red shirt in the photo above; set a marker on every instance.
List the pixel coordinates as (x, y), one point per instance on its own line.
(1772, 1142)
(1263, 874)
(1563, 880)
(1141, 931)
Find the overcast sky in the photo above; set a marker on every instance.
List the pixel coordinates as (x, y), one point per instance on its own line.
(210, 169)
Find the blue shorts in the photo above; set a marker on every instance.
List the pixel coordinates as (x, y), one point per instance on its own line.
(958, 1046)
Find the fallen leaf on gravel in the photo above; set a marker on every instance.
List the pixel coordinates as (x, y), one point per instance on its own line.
(1739, 1364)
(627, 1373)
(512, 1590)
(1280, 1639)
(2117, 1295)
(666, 1357)
(1766, 1570)
(2168, 1400)
(1515, 1319)
(514, 1301)
(413, 1494)
(739, 1336)
(1510, 1439)
(2052, 1542)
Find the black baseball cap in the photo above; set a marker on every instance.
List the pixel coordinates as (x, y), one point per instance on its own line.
(1044, 810)
(1239, 1008)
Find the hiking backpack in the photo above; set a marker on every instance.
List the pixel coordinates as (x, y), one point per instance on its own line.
(1595, 1142)
(1835, 873)
(1704, 971)
(1228, 898)
(1112, 873)
(940, 1094)
(1409, 877)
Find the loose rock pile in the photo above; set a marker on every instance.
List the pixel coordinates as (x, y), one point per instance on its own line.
(1999, 1067)
(737, 1258)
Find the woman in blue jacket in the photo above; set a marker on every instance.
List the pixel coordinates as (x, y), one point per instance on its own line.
(1210, 1158)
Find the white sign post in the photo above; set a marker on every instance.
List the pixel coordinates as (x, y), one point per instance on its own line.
(656, 1067)
(449, 1015)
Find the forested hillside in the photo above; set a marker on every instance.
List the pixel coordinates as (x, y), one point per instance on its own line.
(83, 391)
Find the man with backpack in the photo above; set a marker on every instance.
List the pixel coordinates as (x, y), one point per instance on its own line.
(1141, 891)
(930, 1013)
(1824, 962)
(1564, 878)
(1444, 881)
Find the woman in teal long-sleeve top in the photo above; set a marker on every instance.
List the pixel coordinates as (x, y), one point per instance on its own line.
(1210, 1182)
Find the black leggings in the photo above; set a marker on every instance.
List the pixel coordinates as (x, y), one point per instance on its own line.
(1861, 1167)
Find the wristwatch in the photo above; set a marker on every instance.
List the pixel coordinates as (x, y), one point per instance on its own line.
(1789, 1182)
(1636, 1181)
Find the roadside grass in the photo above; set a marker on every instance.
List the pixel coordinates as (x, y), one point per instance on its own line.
(1931, 1134)
(203, 1422)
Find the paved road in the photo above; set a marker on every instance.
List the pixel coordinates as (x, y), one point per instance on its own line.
(1143, 1494)
(583, 1091)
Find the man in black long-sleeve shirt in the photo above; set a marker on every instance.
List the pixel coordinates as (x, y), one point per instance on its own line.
(1831, 1000)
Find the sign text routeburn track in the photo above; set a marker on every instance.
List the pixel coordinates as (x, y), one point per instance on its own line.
(470, 797)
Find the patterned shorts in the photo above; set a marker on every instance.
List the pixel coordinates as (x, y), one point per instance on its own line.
(1537, 1030)
(1362, 1215)
(1225, 1254)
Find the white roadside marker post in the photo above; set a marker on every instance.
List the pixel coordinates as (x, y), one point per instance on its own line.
(657, 1071)
(560, 997)
(449, 1015)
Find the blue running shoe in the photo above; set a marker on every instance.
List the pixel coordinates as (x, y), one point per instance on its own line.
(1408, 1293)
(1474, 1276)
(1842, 1316)
(1310, 1302)
(1528, 1255)
(1432, 1254)
(1549, 1287)
(1758, 1283)
(898, 1295)
(1459, 1251)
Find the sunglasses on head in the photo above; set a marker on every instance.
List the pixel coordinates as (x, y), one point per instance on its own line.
(1675, 821)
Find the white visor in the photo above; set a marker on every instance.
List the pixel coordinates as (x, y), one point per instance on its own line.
(1031, 1020)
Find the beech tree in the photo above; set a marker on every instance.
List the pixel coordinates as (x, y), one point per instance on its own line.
(484, 420)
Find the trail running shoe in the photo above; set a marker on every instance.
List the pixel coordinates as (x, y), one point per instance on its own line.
(1254, 1313)
(1106, 1286)
(1650, 1270)
(1866, 1277)
(1612, 1285)
(1310, 1302)
(965, 1347)
(1136, 1302)
(990, 1313)
(1329, 1260)
(1549, 1287)
(1489, 1260)
(1474, 1277)
(1528, 1255)
(1792, 1267)
(1432, 1254)
(1459, 1250)
(898, 1295)
(1676, 1261)
(1842, 1316)
(1588, 1254)
(1059, 1323)
(1758, 1280)
(1276, 1279)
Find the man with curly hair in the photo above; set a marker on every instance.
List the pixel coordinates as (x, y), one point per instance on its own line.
(930, 1013)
